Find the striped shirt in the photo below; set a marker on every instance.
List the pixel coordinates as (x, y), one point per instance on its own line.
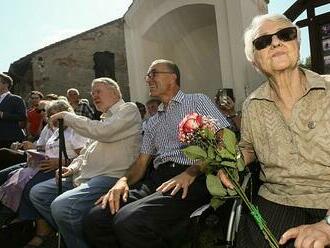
(84, 109)
(161, 132)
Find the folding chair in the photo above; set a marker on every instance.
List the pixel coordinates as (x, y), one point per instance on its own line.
(233, 222)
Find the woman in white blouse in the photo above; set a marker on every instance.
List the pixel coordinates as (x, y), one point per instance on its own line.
(18, 200)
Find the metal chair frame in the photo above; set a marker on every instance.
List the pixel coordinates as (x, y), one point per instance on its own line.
(234, 217)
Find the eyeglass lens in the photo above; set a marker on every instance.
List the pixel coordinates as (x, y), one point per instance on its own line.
(286, 34)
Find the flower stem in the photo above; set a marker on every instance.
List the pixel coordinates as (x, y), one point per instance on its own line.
(254, 212)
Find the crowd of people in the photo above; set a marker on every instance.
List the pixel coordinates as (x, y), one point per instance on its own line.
(126, 182)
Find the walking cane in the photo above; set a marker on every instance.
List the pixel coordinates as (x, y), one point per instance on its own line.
(62, 151)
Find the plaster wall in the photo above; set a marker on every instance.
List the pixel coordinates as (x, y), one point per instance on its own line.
(205, 38)
(70, 63)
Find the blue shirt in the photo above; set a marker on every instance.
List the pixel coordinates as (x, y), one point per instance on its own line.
(161, 132)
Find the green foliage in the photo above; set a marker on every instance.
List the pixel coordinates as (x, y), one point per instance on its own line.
(216, 202)
(213, 158)
(231, 164)
(194, 152)
(211, 152)
(229, 140)
(214, 186)
(208, 134)
(225, 154)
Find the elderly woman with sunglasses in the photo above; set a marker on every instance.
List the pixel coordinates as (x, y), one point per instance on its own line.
(286, 125)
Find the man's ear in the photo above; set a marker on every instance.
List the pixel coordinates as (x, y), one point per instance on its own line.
(174, 77)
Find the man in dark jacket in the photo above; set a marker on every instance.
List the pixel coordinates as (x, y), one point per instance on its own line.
(12, 111)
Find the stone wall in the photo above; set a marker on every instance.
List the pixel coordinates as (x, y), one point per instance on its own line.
(69, 63)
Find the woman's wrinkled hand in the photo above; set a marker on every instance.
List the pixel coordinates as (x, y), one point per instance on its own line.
(308, 236)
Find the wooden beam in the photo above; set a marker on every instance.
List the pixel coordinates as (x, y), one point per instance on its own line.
(295, 9)
(317, 3)
(318, 18)
(300, 6)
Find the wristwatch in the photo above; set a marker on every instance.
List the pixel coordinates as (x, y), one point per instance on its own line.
(327, 219)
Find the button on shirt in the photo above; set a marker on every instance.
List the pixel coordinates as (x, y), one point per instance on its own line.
(161, 132)
(294, 154)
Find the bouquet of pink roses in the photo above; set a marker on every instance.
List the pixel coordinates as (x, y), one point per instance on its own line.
(215, 150)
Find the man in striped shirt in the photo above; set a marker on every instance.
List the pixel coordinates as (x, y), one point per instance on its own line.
(142, 216)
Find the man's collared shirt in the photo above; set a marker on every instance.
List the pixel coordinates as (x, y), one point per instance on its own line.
(114, 145)
(2, 96)
(294, 154)
(161, 132)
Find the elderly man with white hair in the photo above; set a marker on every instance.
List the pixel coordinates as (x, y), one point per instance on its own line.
(114, 145)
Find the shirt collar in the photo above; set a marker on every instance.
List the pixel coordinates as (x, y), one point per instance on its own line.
(3, 95)
(314, 81)
(113, 109)
(177, 98)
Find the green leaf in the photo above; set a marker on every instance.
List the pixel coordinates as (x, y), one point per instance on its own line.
(218, 158)
(229, 140)
(216, 202)
(210, 152)
(210, 135)
(240, 164)
(231, 164)
(194, 152)
(214, 186)
(225, 154)
(231, 192)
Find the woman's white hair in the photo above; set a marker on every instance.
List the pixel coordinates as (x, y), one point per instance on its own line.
(58, 106)
(251, 31)
(112, 83)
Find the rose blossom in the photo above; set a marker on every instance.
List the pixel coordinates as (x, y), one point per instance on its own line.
(190, 123)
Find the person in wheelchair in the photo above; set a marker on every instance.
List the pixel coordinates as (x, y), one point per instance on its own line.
(285, 125)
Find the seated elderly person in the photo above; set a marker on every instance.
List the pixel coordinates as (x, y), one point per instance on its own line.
(114, 145)
(140, 209)
(14, 193)
(285, 124)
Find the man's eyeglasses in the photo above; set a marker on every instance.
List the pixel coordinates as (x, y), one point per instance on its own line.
(152, 74)
(285, 34)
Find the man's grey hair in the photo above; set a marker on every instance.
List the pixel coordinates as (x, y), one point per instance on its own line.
(112, 83)
(251, 31)
(171, 66)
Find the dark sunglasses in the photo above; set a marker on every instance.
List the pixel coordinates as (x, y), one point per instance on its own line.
(285, 34)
